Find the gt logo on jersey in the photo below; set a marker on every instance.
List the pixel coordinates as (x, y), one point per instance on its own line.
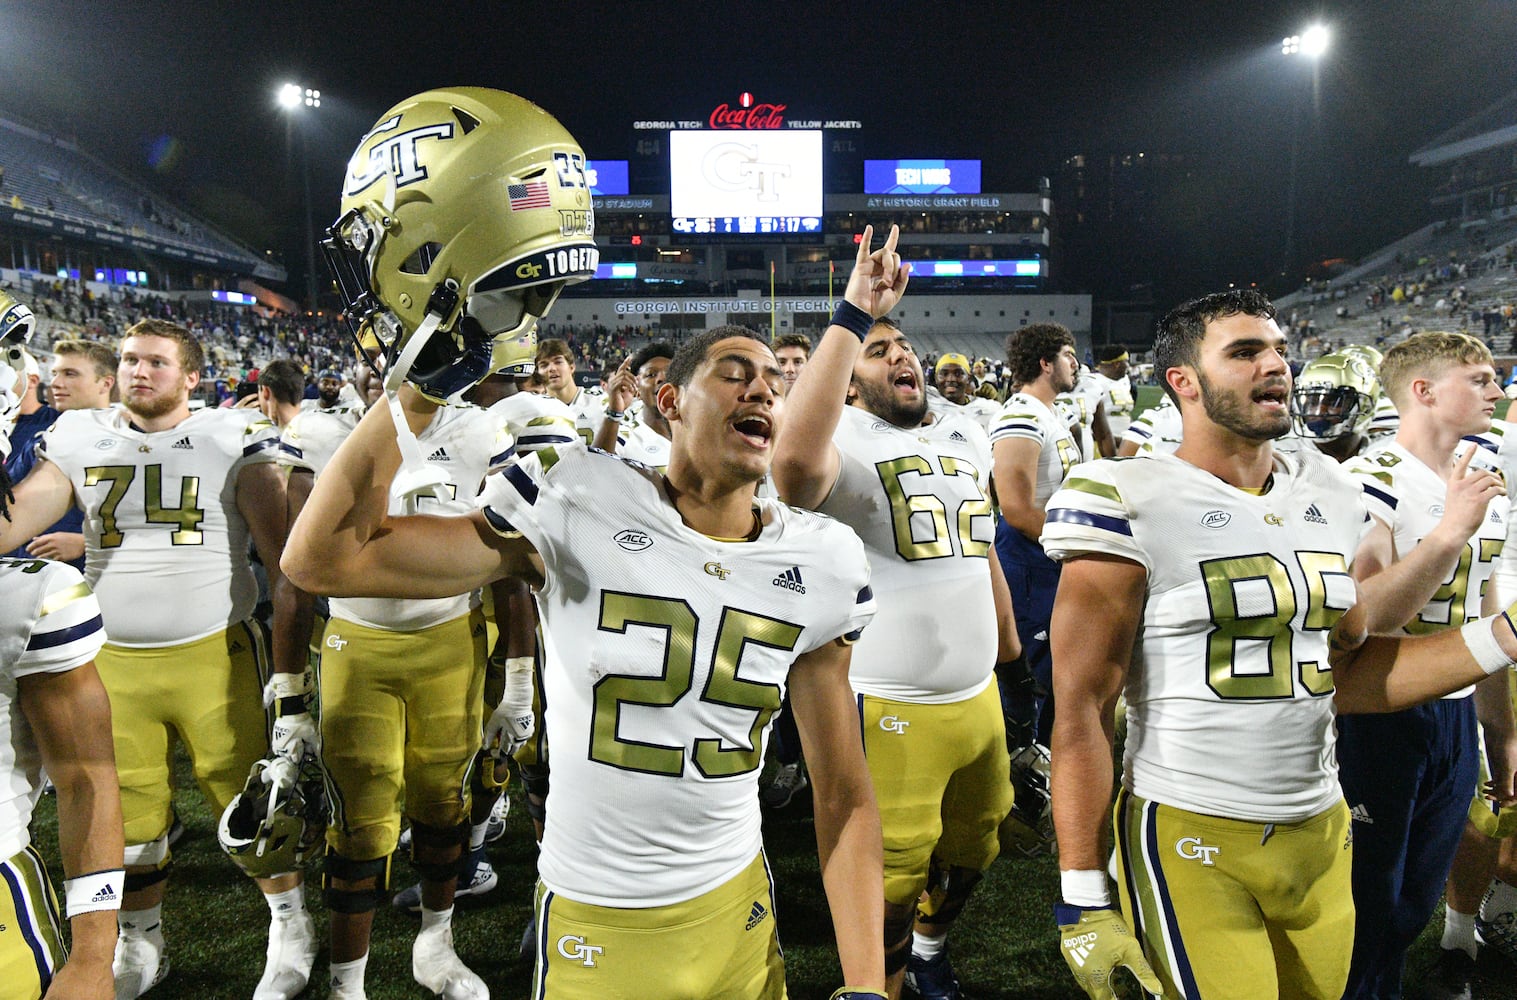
(893, 724)
(1274, 519)
(396, 156)
(574, 948)
(716, 569)
(336, 642)
(1192, 849)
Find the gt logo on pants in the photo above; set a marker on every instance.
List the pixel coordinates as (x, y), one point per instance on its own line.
(893, 724)
(572, 946)
(335, 642)
(1191, 849)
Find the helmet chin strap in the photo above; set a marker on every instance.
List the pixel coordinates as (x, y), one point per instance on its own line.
(415, 478)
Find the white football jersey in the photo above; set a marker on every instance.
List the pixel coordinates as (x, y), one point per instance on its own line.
(673, 651)
(589, 409)
(49, 623)
(1229, 692)
(1500, 450)
(1385, 421)
(1407, 497)
(536, 421)
(919, 499)
(1026, 417)
(166, 549)
(641, 443)
(1117, 395)
(1078, 406)
(977, 407)
(464, 441)
(1157, 431)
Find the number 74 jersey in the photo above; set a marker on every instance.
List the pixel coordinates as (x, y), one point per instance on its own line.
(1229, 691)
(166, 549)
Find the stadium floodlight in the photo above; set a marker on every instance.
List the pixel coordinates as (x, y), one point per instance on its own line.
(290, 95)
(1311, 43)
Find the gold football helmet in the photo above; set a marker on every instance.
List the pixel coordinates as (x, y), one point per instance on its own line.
(1335, 395)
(465, 212)
(16, 321)
(515, 356)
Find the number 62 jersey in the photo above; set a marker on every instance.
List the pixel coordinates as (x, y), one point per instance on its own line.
(166, 549)
(1229, 691)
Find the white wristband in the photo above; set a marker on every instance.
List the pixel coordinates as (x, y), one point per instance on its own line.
(96, 891)
(1084, 889)
(1480, 639)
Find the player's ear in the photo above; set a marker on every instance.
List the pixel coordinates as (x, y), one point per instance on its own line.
(668, 400)
(1182, 379)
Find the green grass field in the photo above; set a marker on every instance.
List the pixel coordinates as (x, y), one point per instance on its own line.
(1004, 946)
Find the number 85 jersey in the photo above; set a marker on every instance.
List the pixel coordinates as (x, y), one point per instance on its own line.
(166, 550)
(1229, 692)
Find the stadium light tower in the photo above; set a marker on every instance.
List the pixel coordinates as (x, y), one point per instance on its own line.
(1311, 45)
(292, 98)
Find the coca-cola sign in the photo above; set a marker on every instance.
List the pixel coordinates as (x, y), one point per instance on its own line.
(747, 115)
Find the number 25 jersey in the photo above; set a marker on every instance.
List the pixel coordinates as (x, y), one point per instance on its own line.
(166, 549)
(1229, 691)
(669, 652)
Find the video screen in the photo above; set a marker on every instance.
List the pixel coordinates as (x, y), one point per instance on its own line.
(606, 176)
(921, 176)
(756, 182)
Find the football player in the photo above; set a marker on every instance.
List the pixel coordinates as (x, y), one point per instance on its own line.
(596, 423)
(680, 768)
(1083, 407)
(1439, 527)
(60, 719)
(914, 485)
(402, 686)
(1333, 401)
(638, 378)
(649, 708)
(281, 386)
(957, 387)
(83, 375)
(1032, 449)
(1111, 375)
(792, 351)
(171, 499)
(1213, 586)
(1157, 430)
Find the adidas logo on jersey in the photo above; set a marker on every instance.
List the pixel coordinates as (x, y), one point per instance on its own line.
(1314, 515)
(107, 894)
(791, 580)
(183, 444)
(440, 455)
(756, 916)
(1359, 814)
(956, 436)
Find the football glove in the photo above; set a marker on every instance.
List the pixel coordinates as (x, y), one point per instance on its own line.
(1096, 942)
(857, 993)
(294, 736)
(512, 723)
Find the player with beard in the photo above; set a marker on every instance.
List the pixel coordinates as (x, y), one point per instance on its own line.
(1206, 585)
(914, 485)
(1033, 448)
(171, 498)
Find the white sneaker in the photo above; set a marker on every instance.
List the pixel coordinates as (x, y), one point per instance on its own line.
(140, 963)
(292, 950)
(498, 814)
(437, 966)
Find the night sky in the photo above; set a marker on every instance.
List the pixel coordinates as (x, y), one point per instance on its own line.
(182, 95)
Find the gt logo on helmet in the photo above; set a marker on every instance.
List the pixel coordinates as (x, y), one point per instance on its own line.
(528, 270)
(395, 156)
